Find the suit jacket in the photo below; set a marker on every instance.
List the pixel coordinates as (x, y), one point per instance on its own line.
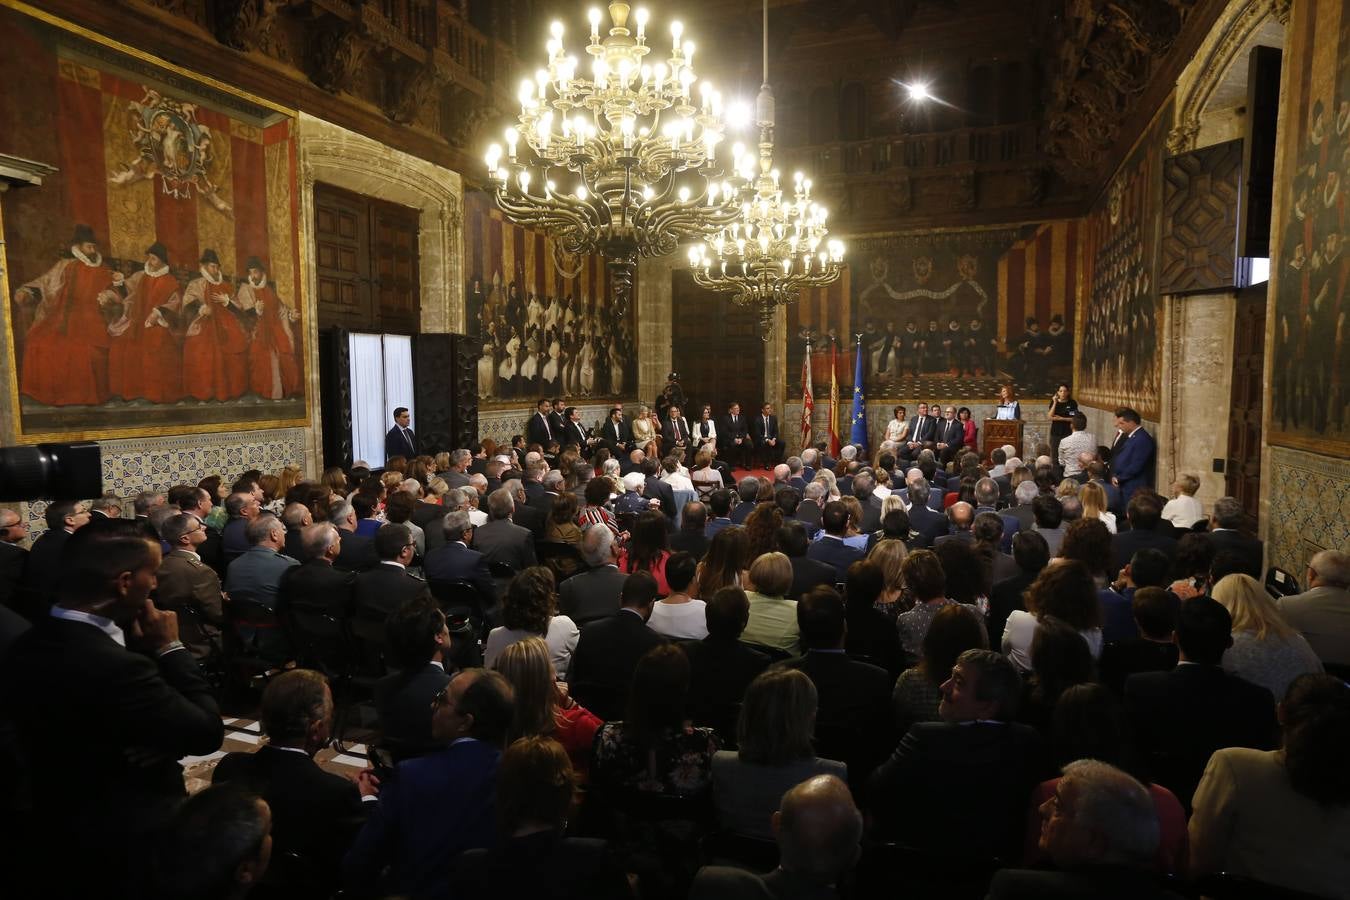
(1181, 717)
(319, 586)
(258, 573)
(294, 547)
(731, 883)
(808, 573)
(808, 513)
(386, 587)
(44, 562)
(1132, 462)
(1121, 659)
(741, 511)
(13, 565)
(591, 595)
(663, 492)
(975, 776)
(668, 432)
(501, 540)
(854, 719)
(871, 520)
(922, 433)
(357, 552)
(531, 518)
(576, 433)
(719, 673)
(212, 550)
(1024, 514)
(952, 433)
(1322, 615)
(456, 562)
(1125, 544)
(432, 809)
(836, 553)
(84, 701)
(694, 543)
(728, 432)
(403, 703)
(603, 663)
(616, 433)
(183, 580)
(314, 813)
(557, 423)
(932, 525)
(1249, 549)
(397, 443)
(760, 433)
(538, 430)
(1087, 883)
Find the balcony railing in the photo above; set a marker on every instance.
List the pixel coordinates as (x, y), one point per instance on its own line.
(961, 147)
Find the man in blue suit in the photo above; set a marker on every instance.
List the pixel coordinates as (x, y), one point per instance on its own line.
(456, 562)
(401, 441)
(831, 548)
(435, 807)
(1134, 457)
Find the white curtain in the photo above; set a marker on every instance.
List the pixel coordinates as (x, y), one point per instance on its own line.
(382, 379)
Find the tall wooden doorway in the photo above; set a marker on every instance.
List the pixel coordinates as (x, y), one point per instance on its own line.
(716, 349)
(1243, 469)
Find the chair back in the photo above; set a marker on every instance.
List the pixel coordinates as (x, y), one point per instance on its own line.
(1280, 583)
(457, 599)
(681, 498)
(500, 569)
(320, 639)
(564, 560)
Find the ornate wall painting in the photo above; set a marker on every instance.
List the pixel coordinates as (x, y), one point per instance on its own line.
(1310, 371)
(1118, 362)
(546, 329)
(948, 314)
(154, 281)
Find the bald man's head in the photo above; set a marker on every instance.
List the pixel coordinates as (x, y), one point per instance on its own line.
(818, 829)
(962, 514)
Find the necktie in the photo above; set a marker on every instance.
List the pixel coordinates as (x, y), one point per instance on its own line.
(766, 427)
(547, 430)
(675, 425)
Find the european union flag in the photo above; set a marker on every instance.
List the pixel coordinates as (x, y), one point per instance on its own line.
(858, 433)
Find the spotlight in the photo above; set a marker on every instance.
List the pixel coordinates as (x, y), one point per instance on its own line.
(918, 91)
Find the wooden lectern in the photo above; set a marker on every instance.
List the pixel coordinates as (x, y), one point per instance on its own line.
(998, 432)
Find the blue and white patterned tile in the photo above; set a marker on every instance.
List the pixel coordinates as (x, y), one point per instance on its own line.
(1308, 507)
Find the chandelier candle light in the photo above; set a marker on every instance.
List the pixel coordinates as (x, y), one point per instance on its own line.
(623, 163)
(776, 246)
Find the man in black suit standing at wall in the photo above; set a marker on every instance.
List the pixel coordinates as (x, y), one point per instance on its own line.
(539, 430)
(400, 441)
(733, 437)
(111, 699)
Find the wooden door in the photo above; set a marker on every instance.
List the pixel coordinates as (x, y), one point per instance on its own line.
(1243, 469)
(366, 263)
(716, 349)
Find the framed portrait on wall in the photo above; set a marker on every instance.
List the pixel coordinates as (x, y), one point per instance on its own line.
(152, 285)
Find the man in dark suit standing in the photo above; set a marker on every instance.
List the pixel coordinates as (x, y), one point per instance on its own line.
(557, 419)
(768, 443)
(419, 648)
(1133, 455)
(854, 718)
(384, 588)
(455, 561)
(1225, 534)
(13, 555)
(314, 813)
(317, 585)
(831, 548)
(539, 430)
(1181, 717)
(400, 441)
(437, 806)
(609, 649)
(104, 655)
(595, 593)
(973, 771)
(733, 438)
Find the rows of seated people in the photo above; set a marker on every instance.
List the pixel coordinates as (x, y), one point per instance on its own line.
(920, 682)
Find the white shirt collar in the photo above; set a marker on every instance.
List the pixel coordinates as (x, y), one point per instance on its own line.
(192, 553)
(438, 664)
(107, 626)
(155, 273)
(299, 750)
(96, 260)
(211, 279)
(392, 562)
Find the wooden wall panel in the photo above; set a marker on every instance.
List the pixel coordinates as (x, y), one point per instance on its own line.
(1200, 219)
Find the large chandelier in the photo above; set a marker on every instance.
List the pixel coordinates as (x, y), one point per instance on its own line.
(776, 246)
(623, 163)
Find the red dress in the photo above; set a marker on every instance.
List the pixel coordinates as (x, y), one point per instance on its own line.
(969, 439)
(145, 362)
(576, 732)
(65, 355)
(273, 370)
(215, 358)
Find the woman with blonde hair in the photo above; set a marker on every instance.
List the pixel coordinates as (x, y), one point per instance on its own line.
(644, 432)
(853, 535)
(333, 477)
(441, 462)
(287, 478)
(1093, 497)
(773, 617)
(1183, 510)
(826, 477)
(1265, 650)
(774, 737)
(705, 476)
(889, 555)
(1067, 488)
(543, 706)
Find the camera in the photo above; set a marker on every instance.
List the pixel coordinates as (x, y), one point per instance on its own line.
(51, 472)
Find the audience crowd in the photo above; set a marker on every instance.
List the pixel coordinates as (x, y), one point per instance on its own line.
(597, 673)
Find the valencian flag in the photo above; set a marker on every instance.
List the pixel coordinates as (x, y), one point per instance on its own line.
(834, 398)
(858, 433)
(808, 401)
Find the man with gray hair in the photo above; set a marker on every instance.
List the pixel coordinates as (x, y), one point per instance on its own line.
(257, 574)
(455, 560)
(523, 514)
(818, 829)
(296, 516)
(109, 506)
(501, 540)
(358, 550)
(812, 505)
(1226, 533)
(931, 525)
(1022, 510)
(748, 490)
(594, 594)
(316, 585)
(1322, 612)
(796, 472)
(1101, 831)
(457, 476)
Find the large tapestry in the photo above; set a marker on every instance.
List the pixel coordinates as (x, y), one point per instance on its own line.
(948, 314)
(1310, 372)
(154, 279)
(550, 326)
(1120, 327)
